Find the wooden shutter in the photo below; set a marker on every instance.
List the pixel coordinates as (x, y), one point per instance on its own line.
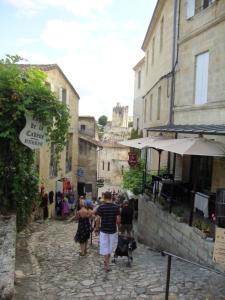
(201, 78)
(190, 8)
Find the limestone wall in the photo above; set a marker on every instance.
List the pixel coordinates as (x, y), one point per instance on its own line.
(7, 256)
(160, 230)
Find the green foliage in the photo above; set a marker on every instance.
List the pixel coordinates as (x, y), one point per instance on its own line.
(102, 120)
(133, 178)
(24, 90)
(135, 134)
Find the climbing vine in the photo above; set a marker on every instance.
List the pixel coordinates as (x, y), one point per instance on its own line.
(24, 90)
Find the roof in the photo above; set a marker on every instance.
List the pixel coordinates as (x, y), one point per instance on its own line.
(152, 23)
(113, 144)
(195, 129)
(139, 64)
(90, 140)
(87, 117)
(49, 67)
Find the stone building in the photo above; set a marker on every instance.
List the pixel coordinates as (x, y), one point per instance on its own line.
(51, 174)
(118, 129)
(120, 116)
(112, 161)
(87, 159)
(183, 96)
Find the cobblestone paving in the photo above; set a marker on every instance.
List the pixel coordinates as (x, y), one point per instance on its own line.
(49, 268)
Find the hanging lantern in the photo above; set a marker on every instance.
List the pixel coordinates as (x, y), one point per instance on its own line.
(132, 159)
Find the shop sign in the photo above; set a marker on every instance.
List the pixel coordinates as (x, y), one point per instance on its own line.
(33, 134)
(219, 247)
(80, 172)
(100, 182)
(132, 159)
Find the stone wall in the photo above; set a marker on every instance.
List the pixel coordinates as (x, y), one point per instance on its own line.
(160, 230)
(7, 256)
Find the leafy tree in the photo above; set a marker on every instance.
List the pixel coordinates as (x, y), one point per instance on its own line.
(24, 90)
(102, 120)
(135, 178)
(135, 134)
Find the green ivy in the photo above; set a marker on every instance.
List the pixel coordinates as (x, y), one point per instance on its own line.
(24, 90)
(133, 179)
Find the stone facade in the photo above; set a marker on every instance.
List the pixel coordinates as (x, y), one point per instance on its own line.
(87, 161)
(181, 83)
(7, 256)
(69, 157)
(171, 235)
(120, 116)
(112, 161)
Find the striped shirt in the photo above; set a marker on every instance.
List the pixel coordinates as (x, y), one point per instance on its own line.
(108, 213)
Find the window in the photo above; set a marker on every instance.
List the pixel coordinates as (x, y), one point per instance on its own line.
(122, 170)
(147, 55)
(137, 123)
(161, 35)
(108, 166)
(153, 50)
(82, 127)
(64, 96)
(69, 153)
(53, 168)
(145, 111)
(195, 6)
(103, 165)
(139, 79)
(159, 103)
(151, 113)
(201, 78)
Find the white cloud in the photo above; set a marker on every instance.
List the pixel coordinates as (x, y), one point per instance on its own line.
(83, 8)
(25, 41)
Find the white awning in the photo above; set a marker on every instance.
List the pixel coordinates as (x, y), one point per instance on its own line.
(147, 142)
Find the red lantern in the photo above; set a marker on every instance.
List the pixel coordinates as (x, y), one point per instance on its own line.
(132, 160)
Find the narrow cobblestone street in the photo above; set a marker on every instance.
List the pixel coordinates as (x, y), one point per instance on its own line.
(48, 267)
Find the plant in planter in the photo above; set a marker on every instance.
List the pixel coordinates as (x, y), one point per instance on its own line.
(179, 214)
(203, 229)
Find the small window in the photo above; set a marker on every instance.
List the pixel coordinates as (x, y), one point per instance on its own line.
(82, 127)
(139, 79)
(145, 111)
(147, 55)
(161, 34)
(137, 123)
(150, 107)
(159, 103)
(108, 166)
(103, 165)
(122, 170)
(153, 50)
(64, 96)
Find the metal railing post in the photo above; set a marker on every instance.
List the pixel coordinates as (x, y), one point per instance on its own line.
(168, 277)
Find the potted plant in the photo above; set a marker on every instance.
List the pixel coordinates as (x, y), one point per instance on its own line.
(202, 229)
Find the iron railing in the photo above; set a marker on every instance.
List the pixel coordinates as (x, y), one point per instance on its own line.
(169, 263)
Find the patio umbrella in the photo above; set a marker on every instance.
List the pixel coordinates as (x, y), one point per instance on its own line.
(147, 142)
(193, 146)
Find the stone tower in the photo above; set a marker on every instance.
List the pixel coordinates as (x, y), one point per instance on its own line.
(120, 116)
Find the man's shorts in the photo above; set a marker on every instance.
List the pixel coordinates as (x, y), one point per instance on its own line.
(126, 228)
(108, 242)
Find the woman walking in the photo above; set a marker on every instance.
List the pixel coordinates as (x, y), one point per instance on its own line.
(84, 228)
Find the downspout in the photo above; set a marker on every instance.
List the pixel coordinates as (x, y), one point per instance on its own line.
(176, 30)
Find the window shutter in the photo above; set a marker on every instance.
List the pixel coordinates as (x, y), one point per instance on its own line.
(67, 98)
(190, 8)
(60, 94)
(201, 78)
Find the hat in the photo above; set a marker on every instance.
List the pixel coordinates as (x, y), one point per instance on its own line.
(88, 203)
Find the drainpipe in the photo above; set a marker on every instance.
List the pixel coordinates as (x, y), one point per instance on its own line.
(176, 27)
(176, 16)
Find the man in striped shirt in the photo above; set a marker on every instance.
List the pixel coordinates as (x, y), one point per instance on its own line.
(108, 218)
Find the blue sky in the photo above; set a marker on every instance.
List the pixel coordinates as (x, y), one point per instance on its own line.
(95, 42)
